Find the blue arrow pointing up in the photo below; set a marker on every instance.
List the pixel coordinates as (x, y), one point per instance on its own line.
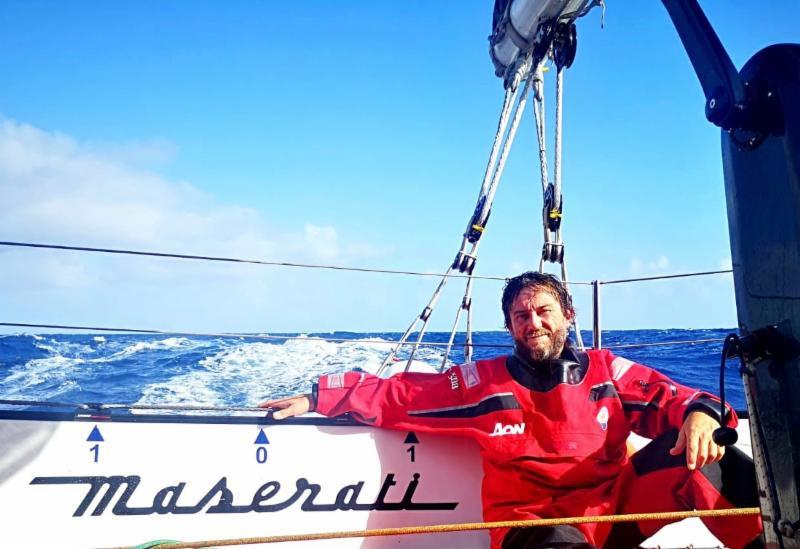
(411, 438)
(95, 436)
(261, 438)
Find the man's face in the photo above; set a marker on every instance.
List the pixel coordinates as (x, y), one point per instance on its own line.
(538, 324)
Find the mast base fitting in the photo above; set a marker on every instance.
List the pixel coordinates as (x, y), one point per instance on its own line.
(775, 343)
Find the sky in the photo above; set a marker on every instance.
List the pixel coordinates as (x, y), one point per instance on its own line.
(347, 133)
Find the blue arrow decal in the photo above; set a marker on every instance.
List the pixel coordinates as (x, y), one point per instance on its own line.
(261, 438)
(95, 436)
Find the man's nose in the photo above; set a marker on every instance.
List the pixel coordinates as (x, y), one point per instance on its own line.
(535, 321)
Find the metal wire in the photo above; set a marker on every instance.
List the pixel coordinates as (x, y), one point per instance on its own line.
(234, 335)
(323, 338)
(91, 407)
(121, 251)
(662, 343)
(662, 277)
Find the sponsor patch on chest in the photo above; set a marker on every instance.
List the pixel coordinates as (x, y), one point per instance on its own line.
(469, 373)
(453, 380)
(511, 429)
(619, 366)
(602, 418)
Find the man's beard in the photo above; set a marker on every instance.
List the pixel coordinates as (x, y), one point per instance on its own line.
(550, 350)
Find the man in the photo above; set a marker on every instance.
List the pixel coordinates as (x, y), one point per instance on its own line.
(552, 424)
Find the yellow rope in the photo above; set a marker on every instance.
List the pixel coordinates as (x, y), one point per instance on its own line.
(441, 528)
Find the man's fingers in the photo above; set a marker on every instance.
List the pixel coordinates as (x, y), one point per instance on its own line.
(280, 414)
(691, 452)
(702, 452)
(680, 444)
(278, 402)
(715, 453)
(293, 407)
(288, 411)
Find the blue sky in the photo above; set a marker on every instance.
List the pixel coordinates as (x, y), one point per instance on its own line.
(349, 133)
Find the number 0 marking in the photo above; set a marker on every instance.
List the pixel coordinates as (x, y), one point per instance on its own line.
(96, 450)
(261, 454)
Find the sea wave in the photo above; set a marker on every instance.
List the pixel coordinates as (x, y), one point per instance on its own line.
(218, 371)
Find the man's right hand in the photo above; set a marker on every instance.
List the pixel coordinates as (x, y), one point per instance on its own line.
(288, 407)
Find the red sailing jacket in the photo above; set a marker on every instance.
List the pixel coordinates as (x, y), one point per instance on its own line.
(552, 438)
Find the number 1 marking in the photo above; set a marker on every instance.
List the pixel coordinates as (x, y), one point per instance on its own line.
(411, 451)
(96, 450)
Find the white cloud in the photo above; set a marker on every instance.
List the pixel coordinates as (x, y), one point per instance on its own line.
(322, 240)
(646, 267)
(58, 190)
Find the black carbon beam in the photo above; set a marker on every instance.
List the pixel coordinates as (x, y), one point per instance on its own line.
(759, 112)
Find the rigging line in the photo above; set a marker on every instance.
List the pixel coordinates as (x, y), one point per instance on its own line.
(462, 527)
(328, 339)
(92, 407)
(238, 335)
(663, 343)
(539, 118)
(558, 131)
(121, 251)
(661, 277)
(424, 317)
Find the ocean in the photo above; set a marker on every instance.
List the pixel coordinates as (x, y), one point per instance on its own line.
(242, 371)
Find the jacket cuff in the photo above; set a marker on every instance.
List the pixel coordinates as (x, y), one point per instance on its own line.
(710, 407)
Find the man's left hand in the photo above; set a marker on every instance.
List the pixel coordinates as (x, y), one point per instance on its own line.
(696, 438)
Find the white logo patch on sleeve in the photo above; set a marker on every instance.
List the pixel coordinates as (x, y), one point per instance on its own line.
(469, 373)
(335, 381)
(619, 366)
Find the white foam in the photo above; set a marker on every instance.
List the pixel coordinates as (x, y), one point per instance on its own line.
(62, 348)
(42, 377)
(170, 343)
(250, 372)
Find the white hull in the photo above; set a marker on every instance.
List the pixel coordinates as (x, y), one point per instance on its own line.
(203, 455)
(54, 483)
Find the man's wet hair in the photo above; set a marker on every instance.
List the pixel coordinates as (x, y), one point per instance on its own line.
(535, 280)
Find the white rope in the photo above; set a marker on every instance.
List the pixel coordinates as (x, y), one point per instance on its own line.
(519, 109)
(509, 100)
(491, 180)
(425, 317)
(512, 132)
(466, 302)
(538, 112)
(468, 341)
(552, 239)
(557, 151)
